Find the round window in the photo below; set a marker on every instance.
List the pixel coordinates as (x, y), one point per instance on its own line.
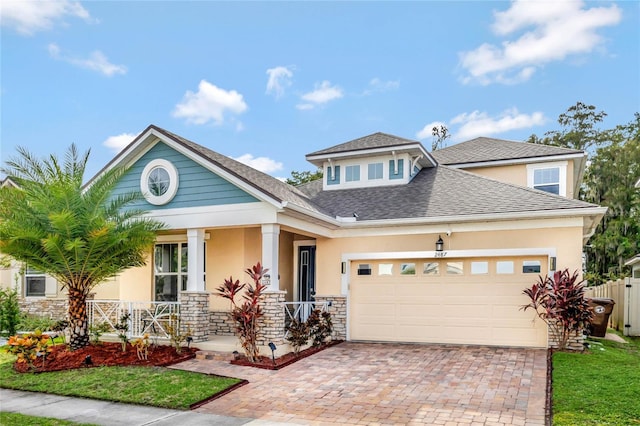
(159, 182)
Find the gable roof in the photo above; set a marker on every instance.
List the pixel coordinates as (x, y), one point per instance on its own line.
(481, 150)
(375, 143)
(258, 182)
(438, 192)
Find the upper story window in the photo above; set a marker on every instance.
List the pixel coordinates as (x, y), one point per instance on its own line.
(34, 283)
(352, 173)
(548, 177)
(375, 171)
(159, 182)
(333, 175)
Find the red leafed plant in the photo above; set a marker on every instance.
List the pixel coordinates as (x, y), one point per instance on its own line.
(560, 302)
(246, 314)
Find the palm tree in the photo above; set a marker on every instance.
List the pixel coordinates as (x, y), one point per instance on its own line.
(80, 235)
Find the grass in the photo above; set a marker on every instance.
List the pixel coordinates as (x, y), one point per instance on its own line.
(598, 387)
(17, 419)
(155, 386)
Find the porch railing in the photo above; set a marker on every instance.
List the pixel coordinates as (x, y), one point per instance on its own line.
(300, 311)
(154, 318)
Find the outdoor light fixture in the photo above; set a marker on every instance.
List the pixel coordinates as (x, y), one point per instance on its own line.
(439, 244)
(189, 340)
(87, 360)
(272, 346)
(53, 337)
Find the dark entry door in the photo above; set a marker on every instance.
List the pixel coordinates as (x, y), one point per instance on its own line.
(307, 273)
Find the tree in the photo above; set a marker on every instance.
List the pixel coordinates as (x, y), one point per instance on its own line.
(610, 181)
(579, 129)
(440, 136)
(78, 235)
(299, 178)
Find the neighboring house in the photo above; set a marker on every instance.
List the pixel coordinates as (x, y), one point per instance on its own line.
(401, 244)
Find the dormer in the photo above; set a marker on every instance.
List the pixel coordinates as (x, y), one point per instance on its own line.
(375, 160)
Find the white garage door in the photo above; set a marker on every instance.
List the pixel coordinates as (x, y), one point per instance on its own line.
(460, 301)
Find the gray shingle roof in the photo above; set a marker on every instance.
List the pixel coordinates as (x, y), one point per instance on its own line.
(437, 192)
(376, 140)
(489, 149)
(269, 185)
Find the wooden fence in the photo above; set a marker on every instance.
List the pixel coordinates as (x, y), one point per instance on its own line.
(625, 316)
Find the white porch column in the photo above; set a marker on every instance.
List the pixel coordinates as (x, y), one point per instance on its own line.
(270, 249)
(195, 272)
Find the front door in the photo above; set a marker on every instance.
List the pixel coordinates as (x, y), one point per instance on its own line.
(307, 273)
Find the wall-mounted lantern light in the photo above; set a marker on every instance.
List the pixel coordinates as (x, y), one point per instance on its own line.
(439, 244)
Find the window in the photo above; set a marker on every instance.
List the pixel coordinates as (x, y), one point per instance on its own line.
(396, 170)
(455, 268)
(407, 269)
(170, 267)
(333, 175)
(431, 268)
(159, 182)
(364, 269)
(504, 267)
(352, 173)
(547, 180)
(531, 267)
(35, 282)
(385, 269)
(548, 177)
(375, 171)
(479, 268)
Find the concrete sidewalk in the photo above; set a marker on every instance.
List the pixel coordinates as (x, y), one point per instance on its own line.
(110, 413)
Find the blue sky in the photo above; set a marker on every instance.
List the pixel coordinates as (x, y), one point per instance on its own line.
(268, 82)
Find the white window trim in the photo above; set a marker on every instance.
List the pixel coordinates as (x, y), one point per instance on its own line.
(561, 165)
(173, 182)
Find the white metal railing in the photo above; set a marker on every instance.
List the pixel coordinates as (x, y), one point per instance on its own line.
(143, 317)
(300, 311)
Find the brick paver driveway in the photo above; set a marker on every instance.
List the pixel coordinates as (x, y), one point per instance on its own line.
(369, 383)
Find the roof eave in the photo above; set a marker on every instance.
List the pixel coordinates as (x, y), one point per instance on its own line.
(510, 161)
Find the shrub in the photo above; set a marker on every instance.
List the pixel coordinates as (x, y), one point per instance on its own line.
(9, 311)
(176, 336)
(246, 314)
(560, 303)
(298, 335)
(320, 326)
(142, 347)
(30, 322)
(29, 347)
(123, 327)
(96, 331)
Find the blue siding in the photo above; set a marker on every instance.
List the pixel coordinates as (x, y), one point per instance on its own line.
(400, 173)
(336, 176)
(197, 185)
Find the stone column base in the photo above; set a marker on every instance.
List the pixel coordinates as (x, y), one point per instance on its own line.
(194, 314)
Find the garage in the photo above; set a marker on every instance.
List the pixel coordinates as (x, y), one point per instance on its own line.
(453, 300)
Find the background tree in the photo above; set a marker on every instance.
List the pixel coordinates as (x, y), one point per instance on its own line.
(440, 135)
(298, 178)
(78, 235)
(610, 177)
(579, 129)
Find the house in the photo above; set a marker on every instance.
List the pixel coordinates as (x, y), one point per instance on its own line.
(398, 243)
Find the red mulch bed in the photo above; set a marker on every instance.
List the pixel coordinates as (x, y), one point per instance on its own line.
(106, 354)
(268, 363)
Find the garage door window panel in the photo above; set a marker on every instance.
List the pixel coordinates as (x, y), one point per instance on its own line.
(479, 268)
(364, 269)
(385, 269)
(531, 267)
(431, 268)
(407, 269)
(504, 267)
(455, 268)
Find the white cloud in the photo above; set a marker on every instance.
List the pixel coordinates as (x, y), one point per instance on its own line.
(377, 85)
(478, 123)
(428, 129)
(28, 17)
(553, 31)
(117, 143)
(279, 79)
(323, 93)
(209, 103)
(264, 164)
(96, 61)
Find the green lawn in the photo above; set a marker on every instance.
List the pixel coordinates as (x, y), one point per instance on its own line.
(598, 387)
(156, 386)
(16, 419)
